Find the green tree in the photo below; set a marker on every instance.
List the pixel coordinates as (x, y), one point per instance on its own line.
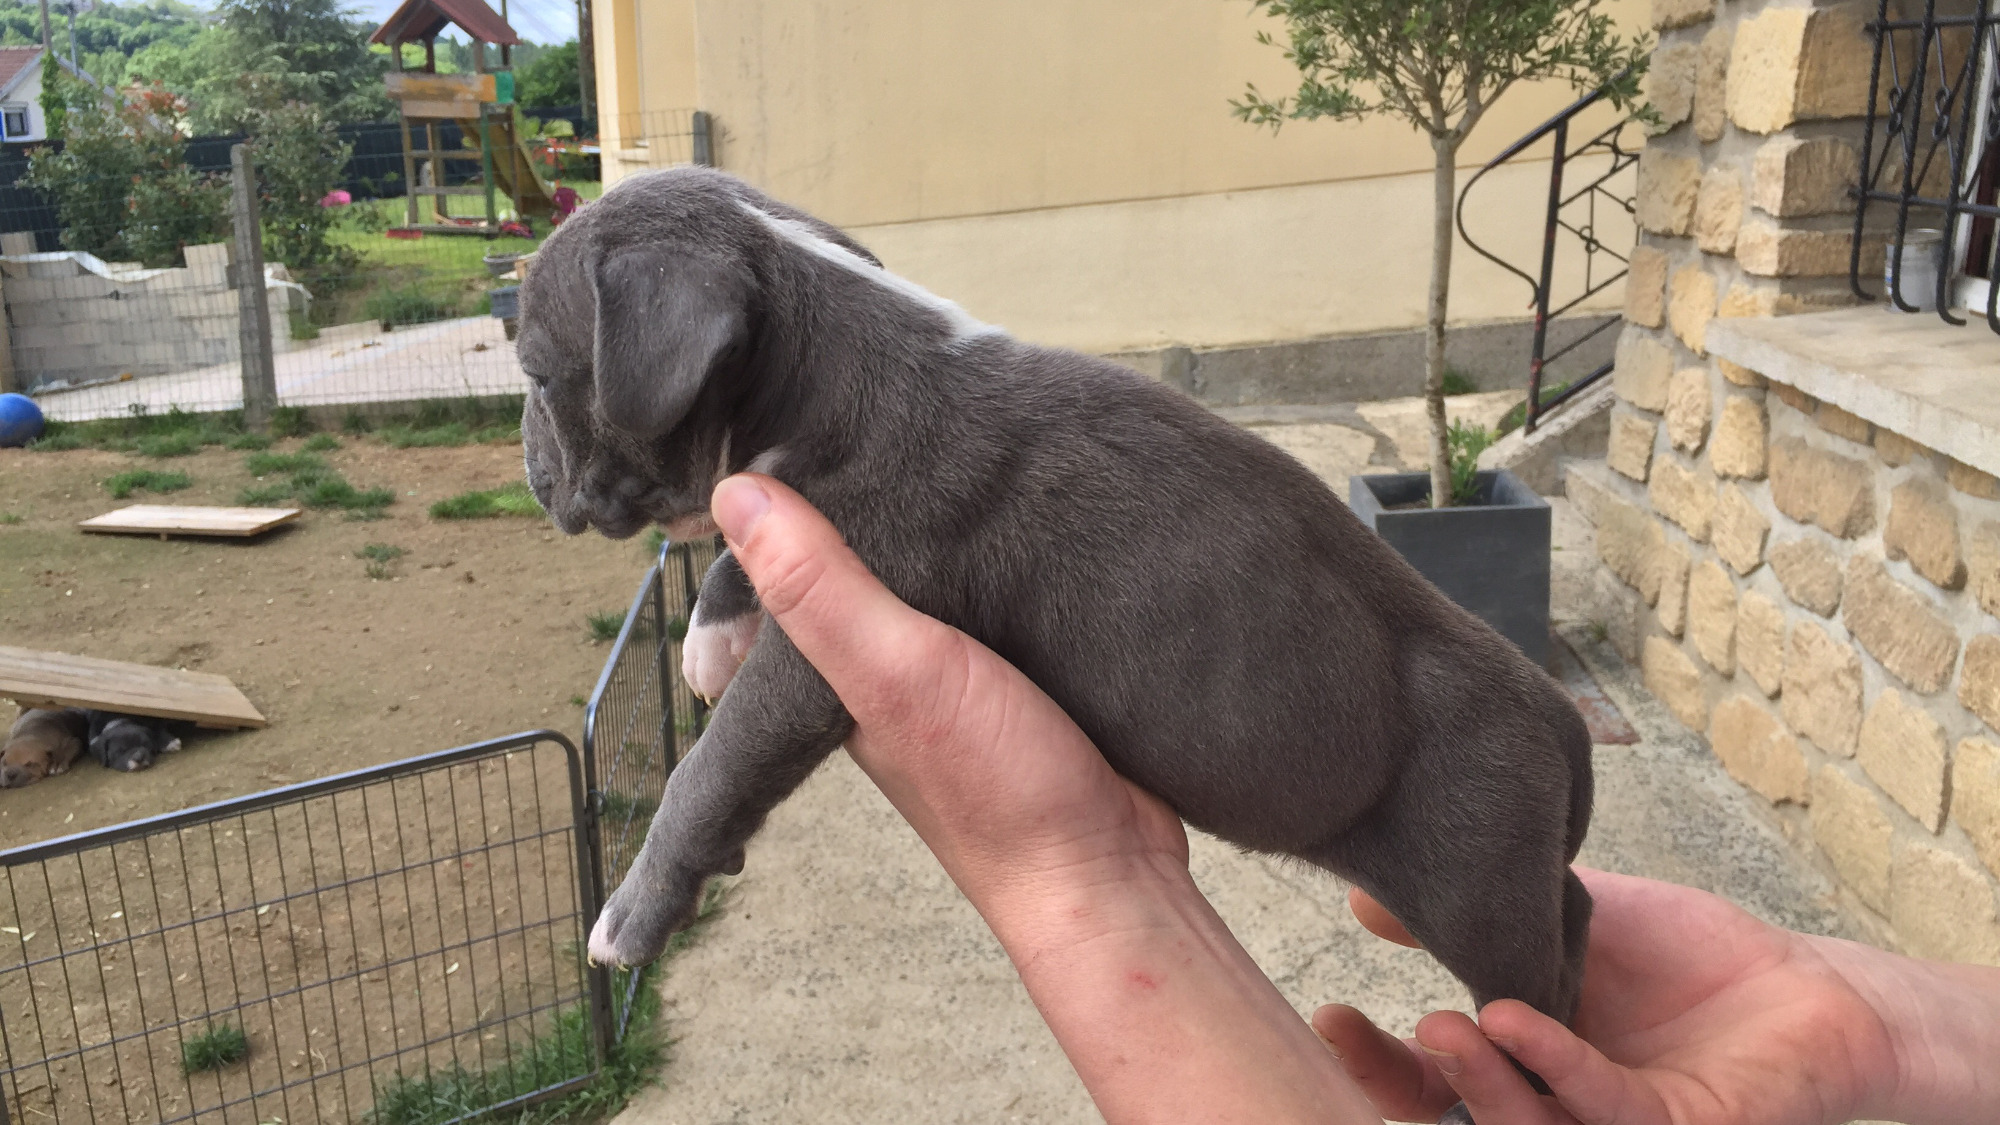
(1438, 65)
(549, 78)
(258, 54)
(299, 158)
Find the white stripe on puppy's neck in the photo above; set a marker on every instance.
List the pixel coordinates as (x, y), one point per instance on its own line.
(964, 326)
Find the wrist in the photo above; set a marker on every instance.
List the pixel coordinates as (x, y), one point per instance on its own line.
(1942, 1025)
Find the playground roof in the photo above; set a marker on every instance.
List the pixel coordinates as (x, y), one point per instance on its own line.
(416, 21)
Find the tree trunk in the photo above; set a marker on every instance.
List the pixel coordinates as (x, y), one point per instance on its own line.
(1444, 193)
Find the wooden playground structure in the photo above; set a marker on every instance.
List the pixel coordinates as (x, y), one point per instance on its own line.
(480, 103)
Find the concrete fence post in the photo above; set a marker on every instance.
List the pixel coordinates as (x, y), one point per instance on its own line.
(253, 308)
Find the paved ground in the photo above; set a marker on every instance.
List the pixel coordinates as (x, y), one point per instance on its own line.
(351, 363)
(847, 980)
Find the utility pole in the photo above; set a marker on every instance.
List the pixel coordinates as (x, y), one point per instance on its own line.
(586, 63)
(48, 41)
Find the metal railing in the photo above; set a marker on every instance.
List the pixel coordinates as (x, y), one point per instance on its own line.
(1573, 210)
(399, 944)
(1931, 152)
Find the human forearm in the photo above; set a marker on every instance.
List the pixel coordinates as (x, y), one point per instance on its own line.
(1944, 1022)
(1162, 1013)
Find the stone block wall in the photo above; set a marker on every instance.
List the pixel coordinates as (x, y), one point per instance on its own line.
(1817, 597)
(1820, 598)
(74, 319)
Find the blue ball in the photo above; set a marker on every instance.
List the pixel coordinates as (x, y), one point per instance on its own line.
(20, 420)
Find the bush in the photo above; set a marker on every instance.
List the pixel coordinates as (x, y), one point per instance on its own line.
(300, 158)
(1466, 443)
(121, 184)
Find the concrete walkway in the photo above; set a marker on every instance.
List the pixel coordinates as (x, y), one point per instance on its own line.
(846, 980)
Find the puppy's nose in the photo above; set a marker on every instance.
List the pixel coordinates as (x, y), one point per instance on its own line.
(11, 776)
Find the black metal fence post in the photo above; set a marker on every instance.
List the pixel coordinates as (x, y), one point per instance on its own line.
(1542, 286)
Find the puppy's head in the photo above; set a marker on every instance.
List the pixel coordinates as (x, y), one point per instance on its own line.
(124, 745)
(23, 762)
(640, 329)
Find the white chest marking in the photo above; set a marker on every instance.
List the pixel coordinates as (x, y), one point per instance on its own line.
(964, 326)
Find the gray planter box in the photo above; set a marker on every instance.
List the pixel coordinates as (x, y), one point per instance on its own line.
(1491, 557)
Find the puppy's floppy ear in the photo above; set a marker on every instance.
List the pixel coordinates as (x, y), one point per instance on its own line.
(665, 315)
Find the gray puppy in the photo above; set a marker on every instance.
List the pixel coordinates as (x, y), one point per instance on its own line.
(1230, 636)
(129, 743)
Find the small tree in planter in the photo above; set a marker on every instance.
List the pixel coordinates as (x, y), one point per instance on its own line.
(1439, 65)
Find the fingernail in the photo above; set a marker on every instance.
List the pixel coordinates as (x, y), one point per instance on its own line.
(1505, 1044)
(1328, 1044)
(1447, 1063)
(738, 504)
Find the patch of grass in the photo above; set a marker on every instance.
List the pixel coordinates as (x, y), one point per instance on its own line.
(247, 442)
(1457, 382)
(604, 626)
(290, 421)
(11, 518)
(564, 1051)
(302, 327)
(414, 303)
(310, 482)
(378, 556)
(216, 1047)
(172, 434)
(124, 484)
(578, 701)
(354, 424)
(180, 443)
(321, 443)
(677, 629)
(265, 464)
(450, 433)
(508, 500)
(656, 538)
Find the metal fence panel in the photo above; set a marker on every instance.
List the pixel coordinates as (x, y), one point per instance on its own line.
(641, 719)
(402, 942)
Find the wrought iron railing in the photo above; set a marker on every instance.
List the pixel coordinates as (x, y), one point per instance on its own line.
(1578, 205)
(1931, 153)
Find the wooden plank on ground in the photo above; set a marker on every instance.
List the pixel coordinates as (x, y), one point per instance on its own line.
(56, 679)
(177, 519)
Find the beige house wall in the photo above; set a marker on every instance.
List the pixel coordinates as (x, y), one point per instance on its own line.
(1071, 170)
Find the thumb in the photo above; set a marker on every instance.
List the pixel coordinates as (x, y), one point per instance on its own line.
(860, 637)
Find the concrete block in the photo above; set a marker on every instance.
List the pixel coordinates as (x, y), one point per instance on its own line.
(1792, 176)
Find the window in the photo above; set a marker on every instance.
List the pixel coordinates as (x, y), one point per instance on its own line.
(1930, 160)
(14, 118)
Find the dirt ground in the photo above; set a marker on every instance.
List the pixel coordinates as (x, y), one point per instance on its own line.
(479, 632)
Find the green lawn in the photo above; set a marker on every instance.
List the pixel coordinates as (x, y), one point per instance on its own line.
(434, 277)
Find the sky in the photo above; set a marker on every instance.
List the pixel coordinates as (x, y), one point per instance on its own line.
(539, 21)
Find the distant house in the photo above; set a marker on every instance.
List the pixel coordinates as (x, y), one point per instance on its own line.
(21, 93)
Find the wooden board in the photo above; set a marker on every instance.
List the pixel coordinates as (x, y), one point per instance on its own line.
(176, 519)
(404, 85)
(55, 679)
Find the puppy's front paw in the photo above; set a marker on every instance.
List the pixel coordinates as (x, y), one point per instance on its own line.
(711, 654)
(640, 916)
(173, 744)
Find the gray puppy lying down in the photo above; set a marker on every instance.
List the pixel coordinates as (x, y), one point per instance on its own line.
(1230, 636)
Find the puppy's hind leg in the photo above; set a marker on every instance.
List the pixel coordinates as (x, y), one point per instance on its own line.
(721, 630)
(777, 724)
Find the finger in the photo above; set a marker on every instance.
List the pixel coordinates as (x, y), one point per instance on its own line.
(1594, 1089)
(860, 636)
(1492, 1089)
(1397, 1078)
(1376, 919)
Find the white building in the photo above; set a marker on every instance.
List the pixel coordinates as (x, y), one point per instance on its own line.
(21, 93)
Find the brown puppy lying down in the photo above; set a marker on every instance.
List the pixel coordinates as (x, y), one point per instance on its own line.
(42, 743)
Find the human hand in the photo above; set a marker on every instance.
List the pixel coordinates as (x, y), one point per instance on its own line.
(1081, 875)
(1696, 1013)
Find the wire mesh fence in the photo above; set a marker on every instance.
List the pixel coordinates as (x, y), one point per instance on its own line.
(373, 943)
(122, 296)
(401, 944)
(640, 720)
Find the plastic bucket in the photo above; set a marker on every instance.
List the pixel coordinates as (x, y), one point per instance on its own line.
(1918, 256)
